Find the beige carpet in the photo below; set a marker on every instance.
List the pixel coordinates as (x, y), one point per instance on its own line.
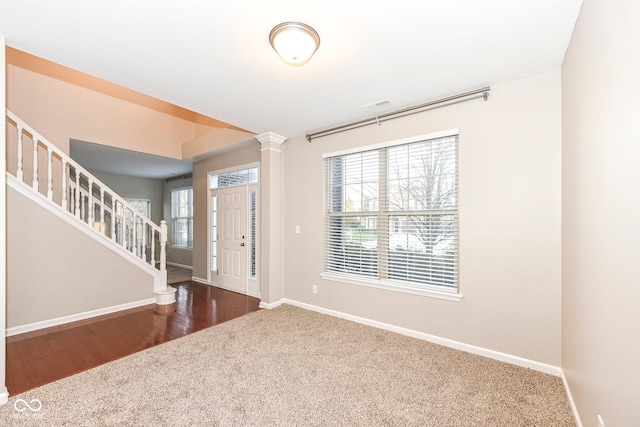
(292, 367)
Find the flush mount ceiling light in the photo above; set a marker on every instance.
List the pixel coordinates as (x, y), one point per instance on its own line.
(295, 42)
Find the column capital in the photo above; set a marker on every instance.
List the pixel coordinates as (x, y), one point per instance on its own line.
(270, 137)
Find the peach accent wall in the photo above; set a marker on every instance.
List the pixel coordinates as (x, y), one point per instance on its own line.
(217, 139)
(60, 111)
(60, 72)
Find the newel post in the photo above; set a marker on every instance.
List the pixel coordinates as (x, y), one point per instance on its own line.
(166, 295)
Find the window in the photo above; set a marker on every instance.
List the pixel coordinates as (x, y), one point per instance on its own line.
(141, 205)
(253, 226)
(236, 177)
(144, 207)
(182, 217)
(392, 215)
(214, 233)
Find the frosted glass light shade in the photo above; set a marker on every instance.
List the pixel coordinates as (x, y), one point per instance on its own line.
(295, 42)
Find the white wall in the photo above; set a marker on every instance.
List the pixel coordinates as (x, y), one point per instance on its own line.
(601, 213)
(509, 180)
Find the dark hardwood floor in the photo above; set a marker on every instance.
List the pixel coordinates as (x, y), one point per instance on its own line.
(39, 357)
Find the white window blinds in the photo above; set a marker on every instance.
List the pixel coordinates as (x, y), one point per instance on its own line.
(182, 217)
(392, 214)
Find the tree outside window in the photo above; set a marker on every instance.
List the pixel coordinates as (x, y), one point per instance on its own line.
(393, 213)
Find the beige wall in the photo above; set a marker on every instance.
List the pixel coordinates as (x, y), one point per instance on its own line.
(60, 111)
(509, 223)
(247, 152)
(601, 213)
(3, 237)
(67, 273)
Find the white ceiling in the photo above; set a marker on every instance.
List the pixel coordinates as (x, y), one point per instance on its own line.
(214, 57)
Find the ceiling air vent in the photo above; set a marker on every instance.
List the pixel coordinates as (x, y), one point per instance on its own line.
(375, 106)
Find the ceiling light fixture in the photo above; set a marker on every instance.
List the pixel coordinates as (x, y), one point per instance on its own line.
(295, 42)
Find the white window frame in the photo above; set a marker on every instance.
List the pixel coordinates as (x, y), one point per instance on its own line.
(452, 294)
(189, 219)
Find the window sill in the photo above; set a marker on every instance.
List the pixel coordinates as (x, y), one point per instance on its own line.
(392, 286)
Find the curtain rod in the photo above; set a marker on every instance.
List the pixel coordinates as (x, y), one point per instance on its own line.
(454, 99)
(175, 178)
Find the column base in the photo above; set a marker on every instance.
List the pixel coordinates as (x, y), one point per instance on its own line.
(165, 296)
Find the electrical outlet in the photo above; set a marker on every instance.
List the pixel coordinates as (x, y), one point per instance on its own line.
(314, 289)
(600, 422)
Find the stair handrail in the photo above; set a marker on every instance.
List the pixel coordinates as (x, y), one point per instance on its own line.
(74, 197)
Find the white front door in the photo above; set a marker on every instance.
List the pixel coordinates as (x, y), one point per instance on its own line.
(232, 240)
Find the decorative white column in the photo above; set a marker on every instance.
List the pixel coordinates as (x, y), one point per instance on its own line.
(271, 284)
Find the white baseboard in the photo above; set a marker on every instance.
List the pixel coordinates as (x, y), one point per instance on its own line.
(4, 397)
(271, 305)
(481, 351)
(175, 264)
(75, 317)
(203, 281)
(206, 282)
(572, 403)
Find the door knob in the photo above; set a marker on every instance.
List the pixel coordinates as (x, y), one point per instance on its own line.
(242, 244)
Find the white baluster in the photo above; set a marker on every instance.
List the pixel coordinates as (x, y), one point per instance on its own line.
(34, 182)
(132, 232)
(134, 229)
(153, 248)
(163, 253)
(90, 204)
(77, 194)
(138, 224)
(64, 185)
(123, 226)
(49, 174)
(144, 241)
(101, 210)
(113, 219)
(19, 172)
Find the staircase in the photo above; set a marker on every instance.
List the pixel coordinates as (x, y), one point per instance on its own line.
(61, 183)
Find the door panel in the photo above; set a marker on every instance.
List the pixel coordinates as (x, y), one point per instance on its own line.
(232, 221)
